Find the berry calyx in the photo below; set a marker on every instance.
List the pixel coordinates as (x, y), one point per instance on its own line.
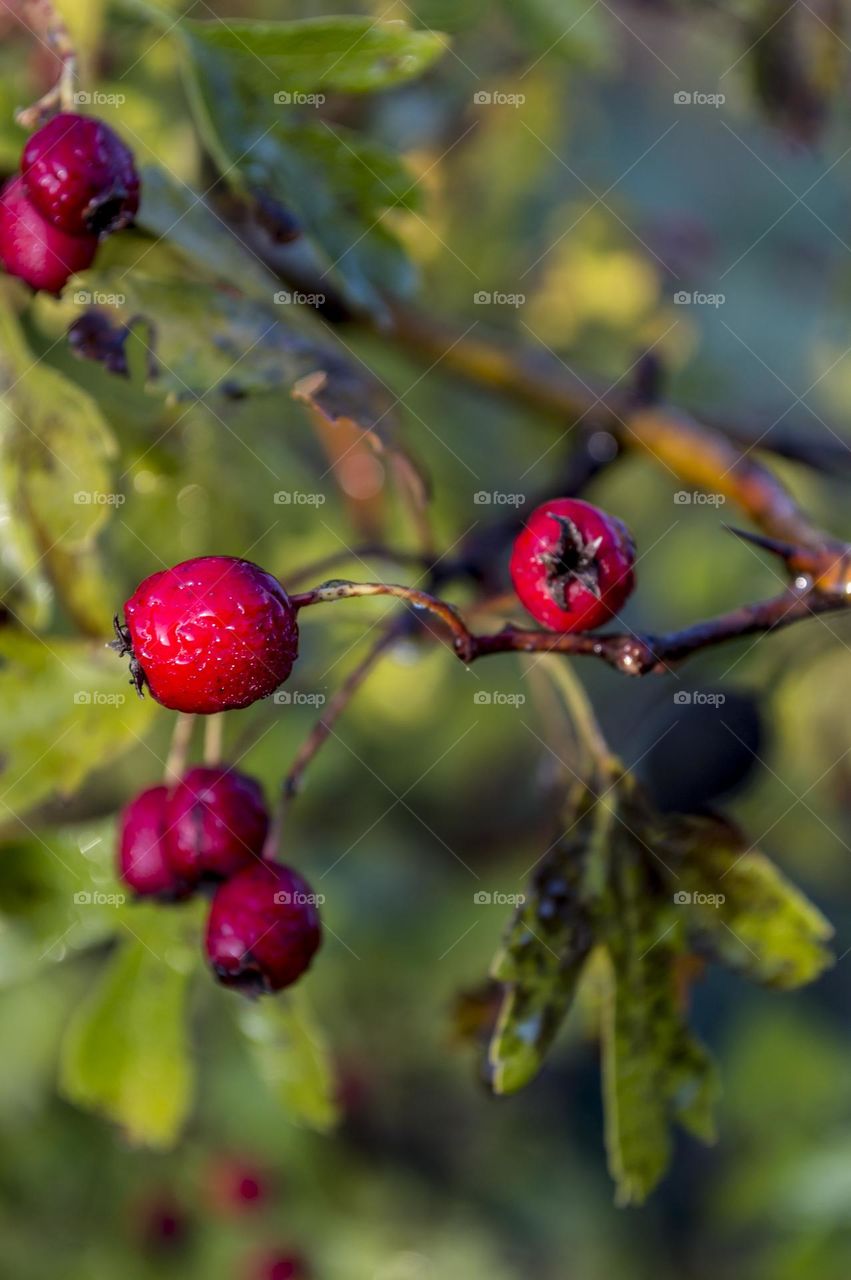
(263, 929)
(143, 853)
(572, 565)
(32, 249)
(80, 176)
(211, 634)
(217, 822)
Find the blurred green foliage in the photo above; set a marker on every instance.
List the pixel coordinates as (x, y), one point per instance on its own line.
(597, 199)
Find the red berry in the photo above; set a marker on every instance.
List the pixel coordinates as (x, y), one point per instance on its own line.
(280, 1266)
(32, 249)
(572, 565)
(235, 1186)
(212, 634)
(217, 822)
(80, 176)
(143, 856)
(263, 929)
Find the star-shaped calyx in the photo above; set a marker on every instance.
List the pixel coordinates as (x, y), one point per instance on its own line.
(572, 559)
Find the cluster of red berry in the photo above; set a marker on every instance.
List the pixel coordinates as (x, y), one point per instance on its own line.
(211, 635)
(165, 1226)
(211, 829)
(78, 183)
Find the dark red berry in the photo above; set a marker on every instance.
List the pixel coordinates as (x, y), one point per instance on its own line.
(212, 634)
(263, 929)
(285, 1265)
(80, 176)
(35, 251)
(161, 1225)
(235, 1186)
(143, 857)
(217, 822)
(572, 565)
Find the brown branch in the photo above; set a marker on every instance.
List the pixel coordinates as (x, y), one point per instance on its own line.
(631, 653)
(640, 655)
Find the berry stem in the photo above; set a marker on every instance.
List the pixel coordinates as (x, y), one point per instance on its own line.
(214, 728)
(47, 25)
(338, 589)
(175, 765)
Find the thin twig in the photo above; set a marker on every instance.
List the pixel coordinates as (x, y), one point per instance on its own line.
(339, 589)
(48, 25)
(213, 737)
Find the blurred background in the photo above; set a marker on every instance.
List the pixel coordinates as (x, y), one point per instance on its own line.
(598, 180)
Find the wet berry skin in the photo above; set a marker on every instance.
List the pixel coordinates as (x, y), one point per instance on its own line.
(217, 822)
(143, 855)
(212, 634)
(572, 565)
(80, 176)
(263, 929)
(35, 251)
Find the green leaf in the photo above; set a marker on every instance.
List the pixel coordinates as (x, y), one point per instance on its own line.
(126, 1053)
(345, 54)
(744, 913)
(55, 476)
(337, 184)
(172, 210)
(292, 1058)
(653, 1069)
(67, 709)
(544, 951)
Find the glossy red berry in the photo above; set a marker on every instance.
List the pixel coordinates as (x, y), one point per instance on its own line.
(212, 634)
(35, 251)
(263, 929)
(217, 822)
(80, 176)
(143, 856)
(572, 565)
